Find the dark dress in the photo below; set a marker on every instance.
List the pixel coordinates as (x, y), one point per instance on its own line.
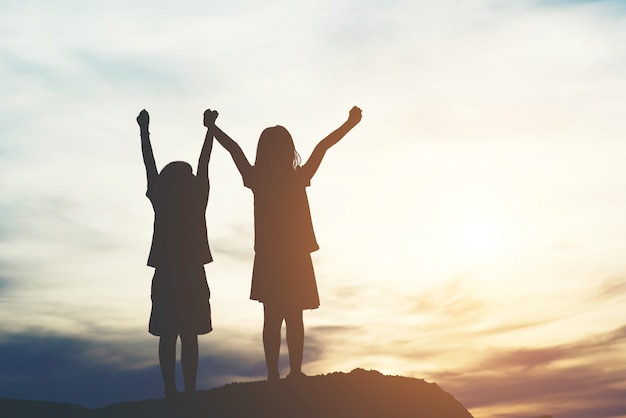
(283, 273)
(180, 248)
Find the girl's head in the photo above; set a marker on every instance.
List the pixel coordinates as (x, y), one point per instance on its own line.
(176, 174)
(276, 149)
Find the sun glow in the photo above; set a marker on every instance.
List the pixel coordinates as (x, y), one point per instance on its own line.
(476, 232)
(477, 235)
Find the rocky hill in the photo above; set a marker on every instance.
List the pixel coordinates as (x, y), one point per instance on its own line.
(360, 393)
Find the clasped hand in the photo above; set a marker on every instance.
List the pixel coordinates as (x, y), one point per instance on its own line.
(209, 117)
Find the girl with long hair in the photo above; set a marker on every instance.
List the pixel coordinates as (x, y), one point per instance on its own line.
(283, 278)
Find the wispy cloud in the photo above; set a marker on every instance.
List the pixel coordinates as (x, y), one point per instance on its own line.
(103, 371)
(610, 290)
(579, 379)
(450, 300)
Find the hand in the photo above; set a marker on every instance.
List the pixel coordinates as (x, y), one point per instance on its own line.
(355, 115)
(143, 119)
(209, 117)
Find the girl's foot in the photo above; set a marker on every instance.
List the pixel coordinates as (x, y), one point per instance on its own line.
(171, 393)
(273, 377)
(296, 375)
(191, 395)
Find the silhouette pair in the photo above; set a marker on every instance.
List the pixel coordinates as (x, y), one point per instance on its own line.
(283, 278)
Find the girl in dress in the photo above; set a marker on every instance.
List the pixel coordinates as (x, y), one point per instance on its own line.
(283, 278)
(179, 251)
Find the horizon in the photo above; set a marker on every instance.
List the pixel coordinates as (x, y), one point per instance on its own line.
(471, 227)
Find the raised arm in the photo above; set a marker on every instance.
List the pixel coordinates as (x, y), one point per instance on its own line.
(205, 154)
(314, 161)
(242, 163)
(143, 120)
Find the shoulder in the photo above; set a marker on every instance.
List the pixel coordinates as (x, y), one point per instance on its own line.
(250, 177)
(198, 184)
(153, 190)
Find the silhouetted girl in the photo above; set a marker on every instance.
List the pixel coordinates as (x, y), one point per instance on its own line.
(283, 278)
(180, 294)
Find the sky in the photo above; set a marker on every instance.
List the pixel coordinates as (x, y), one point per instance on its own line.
(471, 227)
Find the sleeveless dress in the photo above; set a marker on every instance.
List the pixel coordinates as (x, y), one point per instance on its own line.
(283, 274)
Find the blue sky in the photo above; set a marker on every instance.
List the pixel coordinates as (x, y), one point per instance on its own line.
(471, 227)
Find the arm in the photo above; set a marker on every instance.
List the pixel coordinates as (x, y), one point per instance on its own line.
(320, 149)
(242, 163)
(205, 154)
(143, 120)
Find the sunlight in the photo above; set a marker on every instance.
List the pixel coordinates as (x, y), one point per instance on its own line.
(477, 235)
(476, 232)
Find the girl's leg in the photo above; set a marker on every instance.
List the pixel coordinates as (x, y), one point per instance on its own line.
(167, 361)
(272, 322)
(189, 360)
(295, 340)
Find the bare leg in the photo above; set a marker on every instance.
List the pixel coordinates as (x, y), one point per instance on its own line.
(189, 360)
(167, 361)
(295, 340)
(272, 323)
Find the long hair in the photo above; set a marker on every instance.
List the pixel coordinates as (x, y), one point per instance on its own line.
(276, 150)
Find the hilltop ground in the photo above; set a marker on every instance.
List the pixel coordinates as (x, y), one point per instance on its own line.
(360, 393)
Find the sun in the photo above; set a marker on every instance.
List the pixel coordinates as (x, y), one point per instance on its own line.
(477, 235)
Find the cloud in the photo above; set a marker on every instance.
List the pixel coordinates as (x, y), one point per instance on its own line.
(235, 241)
(59, 369)
(580, 379)
(96, 373)
(610, 289)
(451, 300)
(127, 72)
(578, 391)
(5, 284)
(607, 5)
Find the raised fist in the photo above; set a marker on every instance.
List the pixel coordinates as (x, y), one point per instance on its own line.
(209, 117)
(355, 115)
(143, 119)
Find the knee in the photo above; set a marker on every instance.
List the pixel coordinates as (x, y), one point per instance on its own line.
(294, 317)
(188, 339)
